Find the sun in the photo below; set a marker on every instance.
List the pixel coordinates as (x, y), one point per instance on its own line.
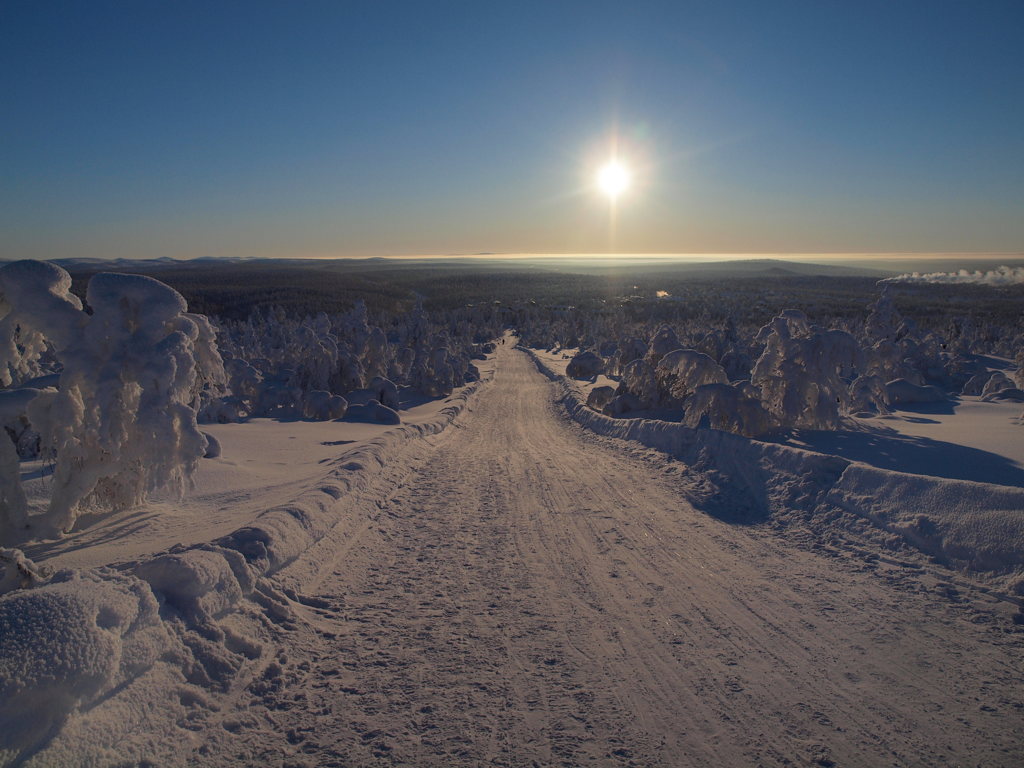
(613, 178)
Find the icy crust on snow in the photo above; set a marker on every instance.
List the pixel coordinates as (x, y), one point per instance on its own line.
(77, 638)
(975, 525)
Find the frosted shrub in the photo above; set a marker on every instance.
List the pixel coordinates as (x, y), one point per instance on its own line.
(384, 391)
(600, 397)
(868, 395)
(886, 360)
(629, 350)
(375, 354)
(639, 381)
(14, 421)
(121, 424)
(903, 392)
(323, 406)
(211, 378)
(975, 384)
(997, 382)
(318, 360)
(884, 322)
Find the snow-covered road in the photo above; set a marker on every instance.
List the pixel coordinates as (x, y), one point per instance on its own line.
(531, 594)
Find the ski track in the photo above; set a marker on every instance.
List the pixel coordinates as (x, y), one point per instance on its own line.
(529, 594)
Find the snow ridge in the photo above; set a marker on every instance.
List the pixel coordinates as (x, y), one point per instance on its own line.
(976, 526)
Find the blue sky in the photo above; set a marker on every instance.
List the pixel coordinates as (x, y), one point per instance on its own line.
(186, 129)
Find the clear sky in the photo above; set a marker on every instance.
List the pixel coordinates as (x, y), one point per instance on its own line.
(148, 129)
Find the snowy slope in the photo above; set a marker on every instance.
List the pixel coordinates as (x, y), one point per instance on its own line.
(965, 440)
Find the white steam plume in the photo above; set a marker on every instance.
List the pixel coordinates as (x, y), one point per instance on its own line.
(999, 276)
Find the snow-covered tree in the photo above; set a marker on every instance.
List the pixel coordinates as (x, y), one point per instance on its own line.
(682, 371)
(121, 423)
(728, 407)
(585, 365)
(801, 373)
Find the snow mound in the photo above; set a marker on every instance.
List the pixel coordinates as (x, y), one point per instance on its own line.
(203, 584)
(957, 520)
(1009, 393)
(374, 412)
(68, 643)
(903, 392)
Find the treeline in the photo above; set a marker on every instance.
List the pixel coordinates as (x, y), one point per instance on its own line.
(233, 290)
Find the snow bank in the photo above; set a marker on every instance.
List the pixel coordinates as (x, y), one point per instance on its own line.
(903, 392)
(203, 583)
(280, 535)
(973, 525)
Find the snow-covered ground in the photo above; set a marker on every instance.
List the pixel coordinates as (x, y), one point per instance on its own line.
(518, 590)
(264, 463)
(967, 439)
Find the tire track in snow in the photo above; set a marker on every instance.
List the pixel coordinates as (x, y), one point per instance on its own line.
(532, 595)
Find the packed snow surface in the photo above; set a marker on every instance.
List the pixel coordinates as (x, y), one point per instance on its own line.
(525, 587)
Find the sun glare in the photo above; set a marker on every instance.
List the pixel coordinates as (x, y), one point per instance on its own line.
(613, 179)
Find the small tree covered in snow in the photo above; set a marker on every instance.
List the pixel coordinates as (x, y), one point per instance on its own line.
(728, 407)
(801, 371)
(629, 350)
(681, 371)
(585, 365)
(663, 342)
(639, 380)
(884, 322)
(121, 424)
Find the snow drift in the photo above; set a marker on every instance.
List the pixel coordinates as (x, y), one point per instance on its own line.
(66, 645)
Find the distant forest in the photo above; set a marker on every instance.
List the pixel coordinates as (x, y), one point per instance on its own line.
(234, 290)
